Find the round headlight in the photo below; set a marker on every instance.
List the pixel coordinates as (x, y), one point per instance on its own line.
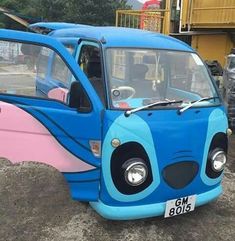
(136, 173)
(218, 161)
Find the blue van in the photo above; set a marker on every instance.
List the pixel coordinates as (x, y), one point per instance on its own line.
(132, 119)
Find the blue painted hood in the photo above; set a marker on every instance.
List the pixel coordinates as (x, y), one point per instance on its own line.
(167, 138)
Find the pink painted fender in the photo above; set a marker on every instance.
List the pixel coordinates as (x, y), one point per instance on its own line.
(24, 138)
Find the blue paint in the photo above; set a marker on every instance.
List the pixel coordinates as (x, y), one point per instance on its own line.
(56, 26)
(175, 137)
(84, 185)
(217, 123)
(125, 37)
(131, 129)
(85, 191)
(82, 176)
(149, 210)
(64, 123)
(58, 47)
(167, 137)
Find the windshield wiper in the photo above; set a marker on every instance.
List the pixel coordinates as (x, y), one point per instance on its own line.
(160, 103)
(195, 102)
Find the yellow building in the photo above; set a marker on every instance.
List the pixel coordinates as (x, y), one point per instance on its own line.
(208, 25)
(211, 25)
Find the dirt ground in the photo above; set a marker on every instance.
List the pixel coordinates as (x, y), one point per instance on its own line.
(35, 205)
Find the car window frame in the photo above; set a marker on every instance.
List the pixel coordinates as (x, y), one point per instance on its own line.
(57, 47)
(98, 44)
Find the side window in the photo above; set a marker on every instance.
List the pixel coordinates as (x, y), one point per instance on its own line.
(42, 63)
(60, 70)
(90, 62)
(25, 68)
(232, 63)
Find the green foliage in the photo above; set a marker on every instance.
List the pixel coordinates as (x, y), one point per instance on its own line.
(2, 25)
(93, 12)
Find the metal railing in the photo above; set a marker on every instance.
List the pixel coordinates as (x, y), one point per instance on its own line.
(157, 20)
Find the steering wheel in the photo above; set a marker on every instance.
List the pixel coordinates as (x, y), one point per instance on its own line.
(123, 92)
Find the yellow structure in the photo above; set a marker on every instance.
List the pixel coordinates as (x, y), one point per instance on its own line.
(208, 14)
(209, 23)
(213, 46)
(212, 26)
(157, 20)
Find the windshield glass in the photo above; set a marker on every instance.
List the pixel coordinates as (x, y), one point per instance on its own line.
(138, 77)
(231, 61)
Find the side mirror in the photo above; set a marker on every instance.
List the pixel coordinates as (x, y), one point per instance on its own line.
(78, 98)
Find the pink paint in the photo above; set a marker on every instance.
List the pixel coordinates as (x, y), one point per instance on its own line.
(58, 94)
(24, 138)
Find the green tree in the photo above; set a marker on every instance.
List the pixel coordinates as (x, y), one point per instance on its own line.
(94, 12)
(23, 8)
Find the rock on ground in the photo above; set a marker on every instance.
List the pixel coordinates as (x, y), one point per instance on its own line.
(35, 205)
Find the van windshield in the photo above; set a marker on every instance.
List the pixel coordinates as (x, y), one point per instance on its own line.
(231, 61)
(138, 77)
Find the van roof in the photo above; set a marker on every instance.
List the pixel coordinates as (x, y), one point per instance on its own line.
(123, 37)
(46, 27)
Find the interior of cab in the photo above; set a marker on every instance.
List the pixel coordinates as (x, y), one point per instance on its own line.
(140, 76)
(90, 63)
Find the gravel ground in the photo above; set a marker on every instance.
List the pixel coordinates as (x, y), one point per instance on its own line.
(35, 205)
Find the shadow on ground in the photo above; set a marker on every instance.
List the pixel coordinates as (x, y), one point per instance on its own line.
(35, 205)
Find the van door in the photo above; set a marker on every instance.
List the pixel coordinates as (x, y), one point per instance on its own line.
(89, 58)
(62, 127)
(51, 62)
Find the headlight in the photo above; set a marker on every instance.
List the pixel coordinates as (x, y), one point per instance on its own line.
(218, 160)
(136, 172)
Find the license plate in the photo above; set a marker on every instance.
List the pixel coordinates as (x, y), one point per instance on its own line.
(179, 206)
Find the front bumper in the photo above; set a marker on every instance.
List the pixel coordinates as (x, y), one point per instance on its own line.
(146, 211)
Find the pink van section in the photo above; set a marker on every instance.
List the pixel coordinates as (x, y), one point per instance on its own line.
(24, 138)
(58, 94)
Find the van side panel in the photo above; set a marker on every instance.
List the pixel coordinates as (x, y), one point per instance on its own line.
(46, 131)
(30, 140)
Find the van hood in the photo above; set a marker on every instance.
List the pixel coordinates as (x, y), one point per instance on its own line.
(168, 138)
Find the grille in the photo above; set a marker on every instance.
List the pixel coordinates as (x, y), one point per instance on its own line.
(180, 174)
